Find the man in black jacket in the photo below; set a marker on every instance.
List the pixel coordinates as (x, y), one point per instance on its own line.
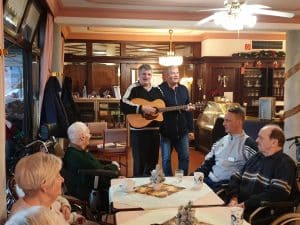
(270, 175)
(144, 140)
(177, 126)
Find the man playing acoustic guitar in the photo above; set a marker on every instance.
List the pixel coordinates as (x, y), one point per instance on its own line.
(177, 127)
(144, 138)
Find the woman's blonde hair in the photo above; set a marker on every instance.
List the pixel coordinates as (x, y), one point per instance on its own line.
(34, 170)
(35, 215)
(76, 131)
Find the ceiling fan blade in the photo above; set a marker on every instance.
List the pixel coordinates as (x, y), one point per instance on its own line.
(254, 6)
(273, 13)
(206, 20)
(211, 10)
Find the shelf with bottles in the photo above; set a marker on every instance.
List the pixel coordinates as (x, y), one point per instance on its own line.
(252, 85)
(253, 78)
(278, 83)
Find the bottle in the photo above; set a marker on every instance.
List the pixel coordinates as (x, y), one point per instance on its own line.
(245, 107)
(84, 95)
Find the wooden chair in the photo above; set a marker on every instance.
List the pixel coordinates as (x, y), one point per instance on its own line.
(116, 145)
(96, 130)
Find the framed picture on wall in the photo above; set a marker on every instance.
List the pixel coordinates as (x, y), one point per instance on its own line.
(30, 21)
(12, 15)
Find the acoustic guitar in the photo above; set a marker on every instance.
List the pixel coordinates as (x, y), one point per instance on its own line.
(142, 120)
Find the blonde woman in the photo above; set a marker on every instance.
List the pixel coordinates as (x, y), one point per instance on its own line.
(38, 175)
(35, 215)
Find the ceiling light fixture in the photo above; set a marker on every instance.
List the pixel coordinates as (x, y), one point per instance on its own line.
(234, 20)
(170, 59)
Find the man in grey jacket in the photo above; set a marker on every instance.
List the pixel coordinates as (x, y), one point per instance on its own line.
(230, 153)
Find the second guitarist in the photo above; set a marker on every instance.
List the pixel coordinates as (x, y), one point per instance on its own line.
(144, 141)
(177, 127)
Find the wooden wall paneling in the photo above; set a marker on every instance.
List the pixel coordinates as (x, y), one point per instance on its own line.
(197, 49)
(103, 78)
(224, 79)
(88, 79)
(78, 74)
(125, 78)
(211, 73)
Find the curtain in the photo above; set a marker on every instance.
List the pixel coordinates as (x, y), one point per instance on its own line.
(46, 58)
(62, 54)
(28, 90)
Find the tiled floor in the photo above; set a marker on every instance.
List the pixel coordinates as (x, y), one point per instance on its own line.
(196, 159)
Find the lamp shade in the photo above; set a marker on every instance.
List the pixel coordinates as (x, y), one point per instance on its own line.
(170, 59)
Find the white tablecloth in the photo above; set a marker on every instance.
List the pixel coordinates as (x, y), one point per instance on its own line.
(203, 196)
(211, 215)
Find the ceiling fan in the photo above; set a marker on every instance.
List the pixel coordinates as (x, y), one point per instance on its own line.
(236, 14)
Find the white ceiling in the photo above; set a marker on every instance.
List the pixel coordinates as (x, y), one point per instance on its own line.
(91, 18)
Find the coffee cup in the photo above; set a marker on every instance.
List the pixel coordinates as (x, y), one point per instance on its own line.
(198, 179)
(127, 185)
(237, 215)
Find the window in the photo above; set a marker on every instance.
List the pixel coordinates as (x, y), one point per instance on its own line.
(14, 84)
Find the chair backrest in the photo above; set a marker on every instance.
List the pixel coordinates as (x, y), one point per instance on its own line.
(116, 135)
(97, 128)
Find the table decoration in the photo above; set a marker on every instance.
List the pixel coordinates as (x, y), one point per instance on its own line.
(164, 191)
(185, 216)
(157, 177)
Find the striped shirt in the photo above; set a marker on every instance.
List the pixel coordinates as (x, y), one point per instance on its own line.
(264, 178)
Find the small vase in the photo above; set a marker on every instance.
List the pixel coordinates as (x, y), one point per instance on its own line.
(157, 187)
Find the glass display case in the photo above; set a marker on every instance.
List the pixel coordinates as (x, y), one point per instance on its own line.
(212, 111)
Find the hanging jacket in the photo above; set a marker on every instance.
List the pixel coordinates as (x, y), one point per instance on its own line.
(53, 111)
(68, 101)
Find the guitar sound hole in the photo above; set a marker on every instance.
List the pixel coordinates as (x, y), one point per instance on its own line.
(150, 117)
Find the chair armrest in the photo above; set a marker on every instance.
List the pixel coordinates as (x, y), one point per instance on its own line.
(99, 172)
(256, 212)
(104, 161)
(77, 205)
(267, 205)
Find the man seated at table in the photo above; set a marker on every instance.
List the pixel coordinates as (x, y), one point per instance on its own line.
(230, 153)
(270, 175)
(77, 157)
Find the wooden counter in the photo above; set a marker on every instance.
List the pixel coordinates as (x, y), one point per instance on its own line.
(96, 104)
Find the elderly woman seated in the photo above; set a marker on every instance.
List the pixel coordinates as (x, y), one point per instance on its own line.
(38, 175)
(35, 215)
(77, 157)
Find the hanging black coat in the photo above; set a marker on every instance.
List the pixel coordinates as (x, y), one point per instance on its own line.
(68, 101)
(53, 111)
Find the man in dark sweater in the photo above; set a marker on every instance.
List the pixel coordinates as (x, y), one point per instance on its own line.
(77, 157)
(144, 140)
(270, 175)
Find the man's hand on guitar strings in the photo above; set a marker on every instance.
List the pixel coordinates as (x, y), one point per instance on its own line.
(146, 109)
(191, 136)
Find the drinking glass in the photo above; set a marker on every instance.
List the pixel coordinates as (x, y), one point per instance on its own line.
(179, 175)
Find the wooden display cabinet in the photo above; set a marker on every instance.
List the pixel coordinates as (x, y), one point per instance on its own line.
(247, 78)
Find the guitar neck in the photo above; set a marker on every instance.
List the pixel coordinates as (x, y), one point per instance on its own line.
(172, 108)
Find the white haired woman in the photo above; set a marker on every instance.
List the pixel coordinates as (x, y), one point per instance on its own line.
(35, 215)
(77, 157)
(38, 175)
